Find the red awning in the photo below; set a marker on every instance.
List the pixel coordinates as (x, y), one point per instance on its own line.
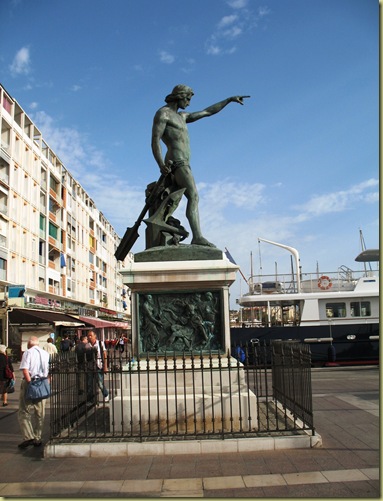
(122, 325)
(97, 322)
(34, 316)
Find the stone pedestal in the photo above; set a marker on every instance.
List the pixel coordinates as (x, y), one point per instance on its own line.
(180, 304)
(185, 399)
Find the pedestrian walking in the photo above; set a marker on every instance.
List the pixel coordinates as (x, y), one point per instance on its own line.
(50, 347)
(101, 362)
(34, 362)
(6, 368)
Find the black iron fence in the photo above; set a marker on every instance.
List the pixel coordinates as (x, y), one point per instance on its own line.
(257, 390)
(291, 378)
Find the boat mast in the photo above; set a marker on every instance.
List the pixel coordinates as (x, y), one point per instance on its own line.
(294, 252)
(252, 277)
(251, 265)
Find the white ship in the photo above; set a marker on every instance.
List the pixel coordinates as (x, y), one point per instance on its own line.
(336, 312)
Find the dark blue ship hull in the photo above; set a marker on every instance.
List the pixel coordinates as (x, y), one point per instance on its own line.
(352, 344)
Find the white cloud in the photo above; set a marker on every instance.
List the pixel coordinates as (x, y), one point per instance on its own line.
(72, 148)
(212, 49)
(227, 20)
(237, 4)
(341, 200)
(166, 57)
(233, 26)
(263, 11)
(225, 193)
(76, 88)
(233, 32)
(21, 62)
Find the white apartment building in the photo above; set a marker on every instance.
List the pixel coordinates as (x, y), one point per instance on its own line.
(56, 248)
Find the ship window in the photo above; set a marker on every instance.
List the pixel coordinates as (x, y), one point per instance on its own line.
(360, 309)
(335, 310)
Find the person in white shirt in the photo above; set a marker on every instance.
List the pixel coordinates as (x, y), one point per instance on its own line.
(34, 362)
(101, 361)
(50, 347)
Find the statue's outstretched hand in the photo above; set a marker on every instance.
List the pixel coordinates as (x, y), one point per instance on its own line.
(239, 99)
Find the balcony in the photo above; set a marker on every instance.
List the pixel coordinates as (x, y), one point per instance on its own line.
(4, 208)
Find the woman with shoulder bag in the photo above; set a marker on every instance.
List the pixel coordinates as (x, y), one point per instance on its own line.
(6, 373)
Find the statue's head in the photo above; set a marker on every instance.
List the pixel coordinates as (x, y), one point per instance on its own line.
(178, 92)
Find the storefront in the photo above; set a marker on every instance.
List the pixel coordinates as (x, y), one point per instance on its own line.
(24, 322)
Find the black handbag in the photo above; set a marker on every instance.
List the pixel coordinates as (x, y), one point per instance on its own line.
(38, 388)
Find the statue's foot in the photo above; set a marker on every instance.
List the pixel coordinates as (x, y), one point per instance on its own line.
(202, 241)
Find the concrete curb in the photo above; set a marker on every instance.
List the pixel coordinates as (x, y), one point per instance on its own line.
(167, 448)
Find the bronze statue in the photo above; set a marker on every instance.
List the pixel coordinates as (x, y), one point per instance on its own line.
(169, 126)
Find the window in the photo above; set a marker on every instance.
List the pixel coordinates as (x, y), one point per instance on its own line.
(3, 203)
(4, 170)
(360, 309)
(43, 181)
(27, 126)
(45, 150)
(43, 198)
(54, 285)
(5, 135)
(42, 247)
(335, 310)
(18, 114)
(43, 222)
(54, 185)
(7, 103)
(92, 241)
(53, 207)
(3, 269)
(53, 231)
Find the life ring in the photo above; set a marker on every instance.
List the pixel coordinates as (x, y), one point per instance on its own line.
(324, 283)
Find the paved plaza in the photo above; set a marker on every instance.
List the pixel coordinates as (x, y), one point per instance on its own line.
(346, 415)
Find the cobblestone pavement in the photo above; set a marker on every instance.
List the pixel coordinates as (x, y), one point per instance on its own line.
(346, 414)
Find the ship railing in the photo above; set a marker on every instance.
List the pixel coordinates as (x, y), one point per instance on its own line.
(340, 280)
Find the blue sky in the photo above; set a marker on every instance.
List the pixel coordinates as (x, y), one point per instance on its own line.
(297, 164)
